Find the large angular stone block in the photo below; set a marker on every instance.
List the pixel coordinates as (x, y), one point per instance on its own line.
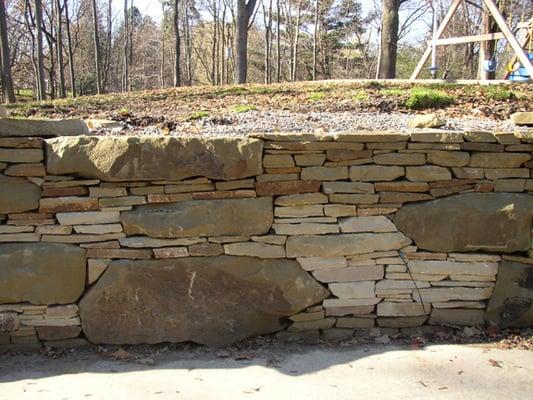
(511, 304)
(18, 195)
(154, 158)
(10, 127)
(495, 222)
(239, 217)
(208, 300)
(41, 273)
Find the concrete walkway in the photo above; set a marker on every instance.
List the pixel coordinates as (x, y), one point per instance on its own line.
(362, 372)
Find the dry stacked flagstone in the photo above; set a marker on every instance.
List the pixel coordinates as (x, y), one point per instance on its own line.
(152, 239)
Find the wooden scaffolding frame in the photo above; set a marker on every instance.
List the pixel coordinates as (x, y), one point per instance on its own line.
(505, 33)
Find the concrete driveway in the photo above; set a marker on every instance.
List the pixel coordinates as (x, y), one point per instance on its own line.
(300, 372)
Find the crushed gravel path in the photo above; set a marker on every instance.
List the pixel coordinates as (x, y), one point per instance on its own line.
(285, 121)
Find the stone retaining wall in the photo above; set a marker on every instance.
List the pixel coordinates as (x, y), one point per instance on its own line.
(153, 239)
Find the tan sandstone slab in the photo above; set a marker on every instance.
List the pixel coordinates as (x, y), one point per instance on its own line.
(353, 290)
(376, 173)
(208, 300)
(41, 127)
(251, 216)
(154, 158)
(344, 244)
(366, 224)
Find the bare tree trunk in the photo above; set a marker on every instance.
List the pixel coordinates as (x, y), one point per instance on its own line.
(125, 67)
(389, 39)
(177, 72)
(214, 44)
(315, 38)
(162, 65)
(41, 93)
(5, 58)
(107, 52)
(489, 46)
(69, 50)
(96, 40)
(267, 18)
(188, 45)
(223, 40)
(278, 42)
(296, 42)
(244, 13)
(59, 49)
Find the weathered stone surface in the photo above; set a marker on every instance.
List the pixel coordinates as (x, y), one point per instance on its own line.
(449, 158)
(375, 173)
(350, 274)
(458, 317)
(252, 216)
(209, 300)
(367, 224)
(349, 198)
(18, 195)
(286, 187)
(206, 249)
(68, 204)
(426, 121)
(278, 160)
(171, 252)
(453, 268)
(347, 154)
(400, 159)
(305, 229)
(403, 186)
(511, 304)
(340, 210)
(347, 187)
(43, 128)
(401, 322)
(21, 155)
(459, 223)
(344, 244)
(522, 118)
(95, 268)
(319, 263)
(353, 290)
(498, 160)
(41, 273)
(427, 173)
(324, 173)
(402, 197)
(33, 169)
(390, 309)
(154, 158)
(438, 295)
(300, 211)
(253, 249)
(88, 218)
(58, 332)
(437, 136)
(309, 160)
(301, 199)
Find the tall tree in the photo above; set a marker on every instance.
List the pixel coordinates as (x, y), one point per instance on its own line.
(41, 90)
(70, 50)
(97, 56)
(59, 48)
(177, 50)
(5, 58)
(125, 66)
(390, 24)
(245, 11)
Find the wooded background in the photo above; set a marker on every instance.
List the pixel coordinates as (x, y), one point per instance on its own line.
(58, 48)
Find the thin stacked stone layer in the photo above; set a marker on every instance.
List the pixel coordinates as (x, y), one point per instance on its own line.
(355, 210)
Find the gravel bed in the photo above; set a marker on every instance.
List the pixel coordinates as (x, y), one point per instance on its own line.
(284, 121)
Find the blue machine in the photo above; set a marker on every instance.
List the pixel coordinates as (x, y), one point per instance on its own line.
(521, 75)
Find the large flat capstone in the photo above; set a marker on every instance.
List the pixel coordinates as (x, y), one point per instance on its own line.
(154, 158)
(41, 273)
(511, 304)
(18, 195)
(469, 222)
(239, 217)
(208, 300)
(10, 127)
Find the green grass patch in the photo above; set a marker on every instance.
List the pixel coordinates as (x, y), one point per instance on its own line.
(392, 92)
(317, 96)
(423, 98)
(498, 93)
(360, 95)
(244, 108)
(197, 115)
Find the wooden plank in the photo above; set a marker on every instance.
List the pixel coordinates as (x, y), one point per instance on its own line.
(469, 39)
(442, 28)
(500, 21)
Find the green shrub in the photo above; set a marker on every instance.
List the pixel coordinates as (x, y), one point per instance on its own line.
(317, 96)
(197, 115)
(422, 98)
(392, 92)
(360, 95)
(498, 93)
(244, 108)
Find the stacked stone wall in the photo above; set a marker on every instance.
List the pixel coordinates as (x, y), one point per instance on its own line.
(212, 240)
